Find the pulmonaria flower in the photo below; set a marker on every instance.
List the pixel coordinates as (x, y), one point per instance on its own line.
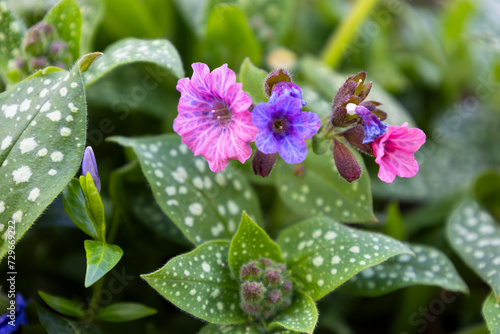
(15, 317)
(213, 119)
(394, 152)
(373, 127)
(283, 128)
(286, 88)
(89, 165)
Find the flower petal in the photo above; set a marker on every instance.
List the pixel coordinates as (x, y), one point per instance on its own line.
(199, 78)
(243, 126)
(293, 150)
(237, 100)
(306, 125)
(261, 115)
(266, 142)
(410, 141)
(288, 106)
(220, 80)
(227, 145)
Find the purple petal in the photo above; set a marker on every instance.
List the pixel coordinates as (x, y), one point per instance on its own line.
(288, 106)
(306, 125)
(89, 165)
(261, 115)
(266, 142)
(293, 150)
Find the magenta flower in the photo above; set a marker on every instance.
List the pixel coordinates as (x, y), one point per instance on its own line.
(394, 152)
(213, 119)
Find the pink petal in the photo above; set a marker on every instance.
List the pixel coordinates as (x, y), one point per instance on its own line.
(243, 126)
(238, 100)
(226, 145)
(410, 141)
(199, 78)
(220, 80)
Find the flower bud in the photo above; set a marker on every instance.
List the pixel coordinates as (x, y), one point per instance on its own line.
(355, 137)
(253, 292)
(286, 88)
(37, 63)
(57, 47)
(346, 163)
(89, 165)
(272, 277)
(249, 271)
(274, 77)
(263, 164)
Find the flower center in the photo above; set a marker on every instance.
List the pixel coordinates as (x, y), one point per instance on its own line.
(279, 125)
(221, 113)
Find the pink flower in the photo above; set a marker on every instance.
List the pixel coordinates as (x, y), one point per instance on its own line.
(394, 152)
(213, 119)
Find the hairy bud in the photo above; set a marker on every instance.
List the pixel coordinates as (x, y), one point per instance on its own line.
(263, 164)
(346, 162)
(274, 77)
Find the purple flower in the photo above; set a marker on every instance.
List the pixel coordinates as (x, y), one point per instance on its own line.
(213, 119)
(373, 127)
(286, 88)
(89, 165)
(283, 128)
(14, 312)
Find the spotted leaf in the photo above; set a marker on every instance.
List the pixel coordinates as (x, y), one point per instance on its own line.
(42, 139)
(301, 316)
(315, 188)
(92, 13)
(66, 19)
(251, 243)
(491, 313)
(323, 254)
(101, 258)
(200, 283)
(11, 34)
(475, 237)
(132, 50)
(204, 205)
(229, 329)
(429, 267)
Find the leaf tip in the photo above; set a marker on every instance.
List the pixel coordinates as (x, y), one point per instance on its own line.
(87, 60)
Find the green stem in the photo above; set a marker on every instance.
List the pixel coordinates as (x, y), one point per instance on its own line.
(93, 305)
(341, 38)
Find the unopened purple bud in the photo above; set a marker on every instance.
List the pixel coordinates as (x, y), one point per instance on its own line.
(38, 63)
(56, 47)
(266, 262)
(288, 286)
(250, 308)
(273, 78)
(272, 276)
(263, 164)
(274, 297)
(249, 271)
(253, 291)
(346, 162)
(373, 127)
(89, 165)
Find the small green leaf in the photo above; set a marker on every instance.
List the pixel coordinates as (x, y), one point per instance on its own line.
(323, 254)
(252, 79)
(87, 60)
(74, 205)
(101, 258)
(11, 34)
(56, 324)
(63, 305)
(491, 313)
(429, 267)
(301, 316)
(475, 237)
(42, 139)
(132, 50)
(251, 243)
(200, 282)
(319, 190)
(93, 205)
(66, 19)
(92, 13)
(204, 205)
(123, 312)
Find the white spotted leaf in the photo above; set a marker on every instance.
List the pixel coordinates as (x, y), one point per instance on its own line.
(491, 313)
(200, 282)
(42, 139)
(204, 205)
(475, 237)
(251, 243)
(92, 13)
(318, 189)
(301, 316)
(132, 50)
(429, 266)
(323, 254)
(101, 258)
(12, 31)
(230, 329)
(66, 19)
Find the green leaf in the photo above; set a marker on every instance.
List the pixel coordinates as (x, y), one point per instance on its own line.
(195, 13)
(92, 13)
(475, 237)
(63, 305)
(491, 313)
(204, 205)
(122, 312)
(229, 329)
(322, 254)
(200, 282)
(319, 190)
(55, 324)
(66, 19)
(132, 50)
(251, 243)
(429, 267)
(101, 258)
(87, 60)
(12, 31)
(42, 139)
(93, 205)
(252, 79)
(487, 191)
(74, 205)
(301, 316)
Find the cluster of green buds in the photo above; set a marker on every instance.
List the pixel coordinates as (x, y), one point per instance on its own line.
(265, 288)
(41, 47)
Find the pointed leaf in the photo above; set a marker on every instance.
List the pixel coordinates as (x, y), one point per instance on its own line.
(301, 316)
(93, 205)
(429, 267)
(63, 305)
(132, 50)
(92, 13)
(200, 283)
(122, 312)
(56, 324)
(42, 140)
(74, 205)
(11, 34)
(252, 79)
(475, 237)
(323, 254)
(491, 313)
(101, 258)
(66, 19)
(204, 205)
(251, 243)
(319, 190)
(87, 60)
